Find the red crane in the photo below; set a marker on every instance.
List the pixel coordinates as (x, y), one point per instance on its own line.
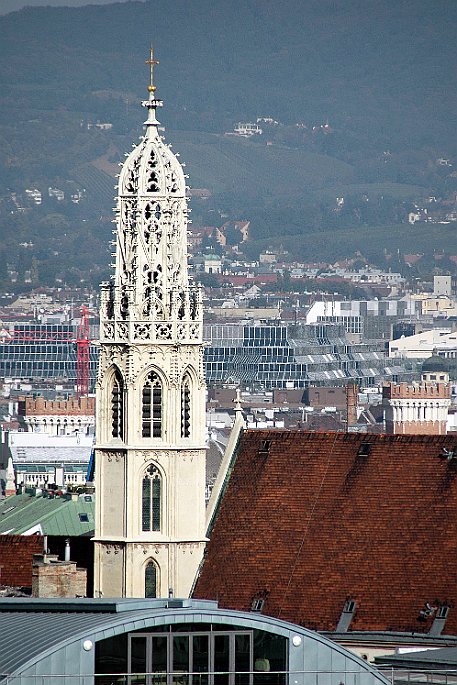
(82, 342)
(83, 355)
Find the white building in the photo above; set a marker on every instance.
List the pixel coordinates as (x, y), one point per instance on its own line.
(443, 285)
(343, 308)
(247, 129)
(40, 459)
(422, 345)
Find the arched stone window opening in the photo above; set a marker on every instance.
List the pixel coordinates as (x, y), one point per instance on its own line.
(151, 500)
(124, 305)
(193, 306)
(117, 406)
(152, 406)
(185, 407)
(110, 302)
(150, 580)
(181, 306)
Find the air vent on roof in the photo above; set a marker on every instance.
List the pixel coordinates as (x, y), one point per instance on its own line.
(258, 600)
(450, 455)
(175, 604)
(257, 604)
(364, 449)
(264, 449)
(426, 612)
(349, 606)
(443, 611)
(439, 621)
(346, 615)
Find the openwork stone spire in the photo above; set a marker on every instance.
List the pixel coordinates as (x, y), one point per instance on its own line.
(150, 449)
(150, 298)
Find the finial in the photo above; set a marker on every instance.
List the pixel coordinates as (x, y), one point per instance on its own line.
(238, 400)
(152, 62)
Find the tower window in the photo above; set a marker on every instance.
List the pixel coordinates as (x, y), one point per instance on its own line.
(150, 580)
(152, 407)
(185, 408)
(151, 499)
(117, 406)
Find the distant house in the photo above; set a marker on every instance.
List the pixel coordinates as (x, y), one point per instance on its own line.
(247, 129)
(212, 264)
(241, 226)
(197, 234)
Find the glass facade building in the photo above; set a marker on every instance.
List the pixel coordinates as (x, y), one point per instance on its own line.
(43, 351)
(294, 355)
(263, 355)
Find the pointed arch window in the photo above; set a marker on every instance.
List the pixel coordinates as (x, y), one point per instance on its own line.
(185, 407)
(150, 580)
(117, 406)
(152, 406)
(151, 499)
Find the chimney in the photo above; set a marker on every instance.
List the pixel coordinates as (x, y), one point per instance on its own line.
(352, 393)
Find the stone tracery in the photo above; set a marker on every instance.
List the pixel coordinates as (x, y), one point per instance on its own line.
(151, 330)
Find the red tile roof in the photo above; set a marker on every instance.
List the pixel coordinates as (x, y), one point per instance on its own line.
(308, 523)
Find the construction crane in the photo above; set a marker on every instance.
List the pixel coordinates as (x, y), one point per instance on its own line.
(83, 355)
(82, 342)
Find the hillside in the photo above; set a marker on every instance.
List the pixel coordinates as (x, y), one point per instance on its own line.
(362, 91)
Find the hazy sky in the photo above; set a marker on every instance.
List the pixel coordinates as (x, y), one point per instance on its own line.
(13, 5)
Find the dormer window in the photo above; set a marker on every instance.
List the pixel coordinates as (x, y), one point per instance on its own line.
(349, 606)
(364, 449)
(442, 611)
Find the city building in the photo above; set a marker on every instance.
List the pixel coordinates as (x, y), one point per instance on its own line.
(40, 459)
(445, 285)
(294, 356)
(150, 450)
(372, 319)
(440, 341)
(58, 417)
(42, 351)
(417, 409)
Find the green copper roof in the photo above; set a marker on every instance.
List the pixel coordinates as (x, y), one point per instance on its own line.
(20, 514)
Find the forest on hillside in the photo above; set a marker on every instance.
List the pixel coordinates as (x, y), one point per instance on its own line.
(363, 94)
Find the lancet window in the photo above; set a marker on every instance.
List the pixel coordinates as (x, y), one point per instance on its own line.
(117, 406)
(150, 580)
(185, 407)
(152, 406)
(151, 499)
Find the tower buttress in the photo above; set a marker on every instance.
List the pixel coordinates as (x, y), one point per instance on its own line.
(150, 451)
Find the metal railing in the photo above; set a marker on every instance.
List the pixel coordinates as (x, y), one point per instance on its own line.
(296, 677)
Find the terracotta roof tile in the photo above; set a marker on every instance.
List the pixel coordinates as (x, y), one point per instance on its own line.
(307, 522)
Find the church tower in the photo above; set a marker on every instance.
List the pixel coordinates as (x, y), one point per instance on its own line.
(150, 450)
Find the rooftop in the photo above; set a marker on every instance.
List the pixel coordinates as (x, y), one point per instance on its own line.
(309, 520)
(22, 514)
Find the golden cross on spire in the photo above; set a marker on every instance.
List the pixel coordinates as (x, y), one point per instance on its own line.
(152, 62)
